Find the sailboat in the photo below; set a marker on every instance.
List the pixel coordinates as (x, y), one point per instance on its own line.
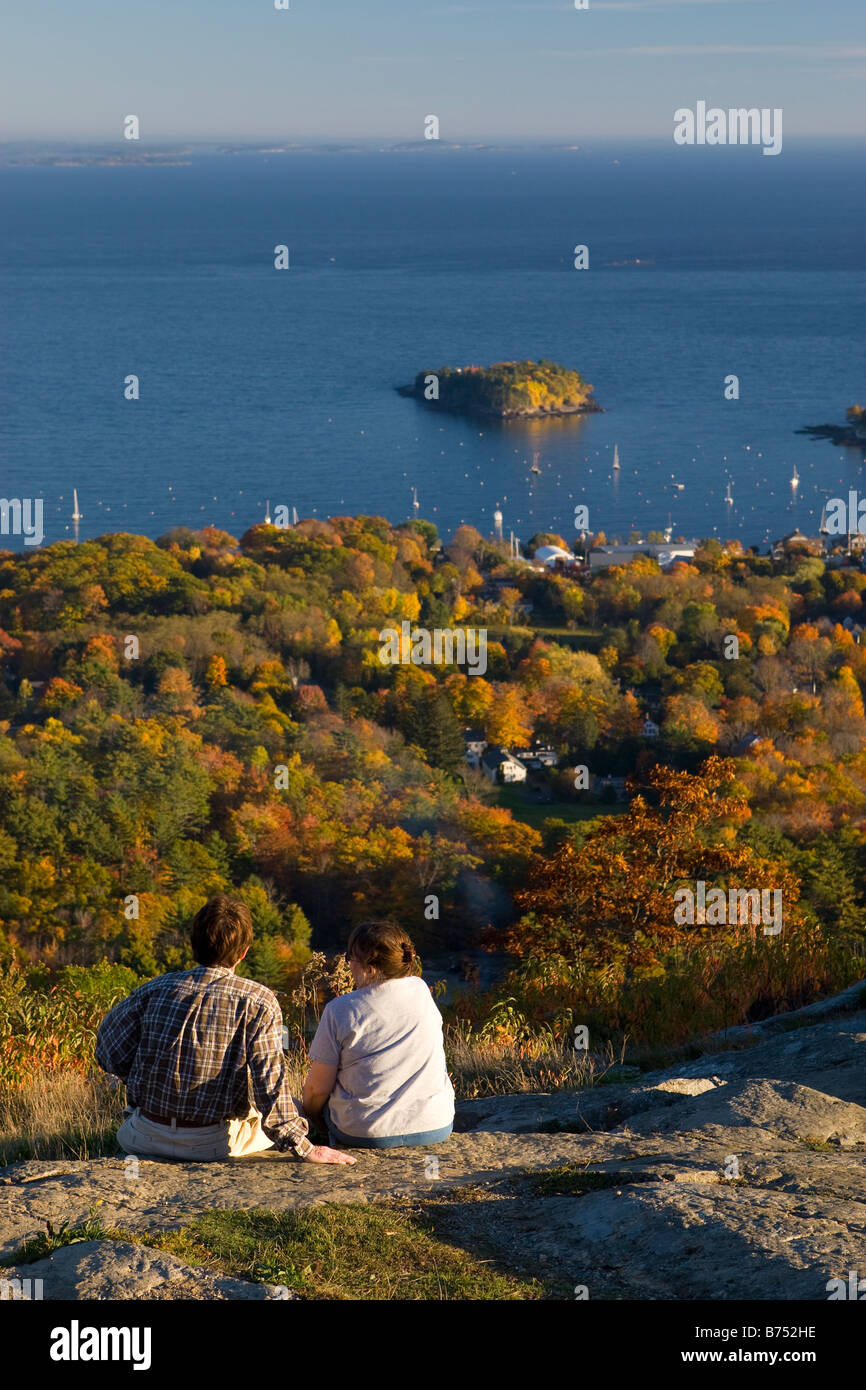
(268, 512)
(795, 478)
(415, 503)
(616, 463)
(535, 468)
(76, 514)
(728, 496)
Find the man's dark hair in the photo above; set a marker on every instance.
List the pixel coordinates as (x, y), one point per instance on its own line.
(221, 931)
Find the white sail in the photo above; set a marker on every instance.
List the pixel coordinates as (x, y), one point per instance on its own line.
(76, 514)
(616, 463)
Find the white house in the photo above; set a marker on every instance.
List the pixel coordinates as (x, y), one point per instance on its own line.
(546, 755)
(537, 756)
(650, 729)
(474, 743)
(499, 766)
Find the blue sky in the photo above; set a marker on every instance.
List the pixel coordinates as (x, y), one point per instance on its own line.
(373, 69)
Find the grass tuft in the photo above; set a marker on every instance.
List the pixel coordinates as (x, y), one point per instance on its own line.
(573, 1180)
(46, 1242)
(819, 1146)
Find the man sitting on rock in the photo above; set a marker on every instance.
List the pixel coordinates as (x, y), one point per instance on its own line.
(201, 1054)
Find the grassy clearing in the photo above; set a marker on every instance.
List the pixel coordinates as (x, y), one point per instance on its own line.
(402, 1250)
(577, 637)
(536, 813)
(346, 1252)
(336, 1252)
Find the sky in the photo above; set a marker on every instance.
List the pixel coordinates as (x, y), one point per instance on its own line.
(71, 70)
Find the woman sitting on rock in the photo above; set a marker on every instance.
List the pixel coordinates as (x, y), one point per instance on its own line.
(377, 1063)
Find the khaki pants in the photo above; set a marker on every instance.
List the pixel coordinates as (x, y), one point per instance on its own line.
(229, 1139)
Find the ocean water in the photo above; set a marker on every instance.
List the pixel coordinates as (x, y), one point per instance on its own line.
(259, 385)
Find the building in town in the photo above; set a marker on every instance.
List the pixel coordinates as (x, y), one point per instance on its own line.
(500, 766)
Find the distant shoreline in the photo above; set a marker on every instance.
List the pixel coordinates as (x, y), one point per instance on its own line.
(842, 436)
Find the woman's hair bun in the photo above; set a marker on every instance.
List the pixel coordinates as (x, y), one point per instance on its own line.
(384, 946)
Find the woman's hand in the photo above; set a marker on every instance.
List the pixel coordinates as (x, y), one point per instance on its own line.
(320, 1153)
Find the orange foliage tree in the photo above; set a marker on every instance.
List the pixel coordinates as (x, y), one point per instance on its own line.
(611, 902)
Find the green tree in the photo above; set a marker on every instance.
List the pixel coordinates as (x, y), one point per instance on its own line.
(430, 723)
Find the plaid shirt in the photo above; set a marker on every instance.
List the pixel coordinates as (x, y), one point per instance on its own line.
(203, 1045)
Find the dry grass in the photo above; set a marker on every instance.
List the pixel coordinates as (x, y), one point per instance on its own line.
(490, 1068)
(66, 1115)
(60, 1115)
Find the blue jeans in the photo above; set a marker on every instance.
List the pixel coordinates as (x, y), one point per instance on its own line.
(385, 1141)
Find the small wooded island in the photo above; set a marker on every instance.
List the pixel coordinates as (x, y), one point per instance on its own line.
(506, 389)
(852, 435)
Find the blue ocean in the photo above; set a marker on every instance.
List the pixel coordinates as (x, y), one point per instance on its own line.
(261, 386)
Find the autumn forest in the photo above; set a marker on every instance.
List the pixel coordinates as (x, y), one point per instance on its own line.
(203, 713)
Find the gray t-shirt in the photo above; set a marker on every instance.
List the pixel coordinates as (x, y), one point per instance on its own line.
(386, 1041)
